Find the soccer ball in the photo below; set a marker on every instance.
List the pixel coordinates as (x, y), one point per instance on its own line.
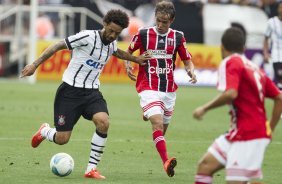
(61, 164)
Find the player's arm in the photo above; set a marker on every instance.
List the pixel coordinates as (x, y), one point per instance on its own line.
(224, 98)
(266, 50)
(189, 68)
(129, 68)
(126, 56)
(276, 111)
(30, 68)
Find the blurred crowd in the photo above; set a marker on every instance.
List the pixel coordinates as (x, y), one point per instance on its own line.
(141, 14)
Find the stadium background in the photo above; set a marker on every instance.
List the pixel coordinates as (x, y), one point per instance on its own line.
(24, 106)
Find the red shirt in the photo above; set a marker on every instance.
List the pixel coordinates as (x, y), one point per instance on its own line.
(248, 116)
(157, 75)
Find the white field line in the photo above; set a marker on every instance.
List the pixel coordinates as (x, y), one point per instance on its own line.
(3, 139)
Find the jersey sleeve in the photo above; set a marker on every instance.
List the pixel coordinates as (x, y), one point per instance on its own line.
(229, 75)
(271, 90)
(115, 46)
(182, 50)
(268, 30)
(135, 42)
(78, 40)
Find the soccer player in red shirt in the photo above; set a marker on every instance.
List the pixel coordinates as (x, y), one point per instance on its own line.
(244, 88)
(155, 81)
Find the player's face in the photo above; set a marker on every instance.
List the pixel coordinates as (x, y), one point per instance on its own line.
(110, 32)
(163, 22)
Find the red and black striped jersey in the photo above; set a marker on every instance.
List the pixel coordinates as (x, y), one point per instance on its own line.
(157, 75)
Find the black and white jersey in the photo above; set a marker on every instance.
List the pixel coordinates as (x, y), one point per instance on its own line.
(274, 32)
(89, 56)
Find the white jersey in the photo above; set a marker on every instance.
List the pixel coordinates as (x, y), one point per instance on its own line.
(274, 32)
(89, 56)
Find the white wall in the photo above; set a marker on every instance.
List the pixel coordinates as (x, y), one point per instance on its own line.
(216, 18)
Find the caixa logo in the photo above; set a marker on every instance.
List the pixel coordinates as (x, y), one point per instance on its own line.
(94, 64)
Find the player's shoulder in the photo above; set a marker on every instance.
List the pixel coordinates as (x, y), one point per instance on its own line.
(88, 32)
(233, 60)
(272, 19)
(143, 30)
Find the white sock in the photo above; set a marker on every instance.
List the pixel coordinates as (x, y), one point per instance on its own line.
(48, 133)
(98, 143)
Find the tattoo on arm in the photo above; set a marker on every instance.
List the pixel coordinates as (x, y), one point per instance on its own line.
(49, 52)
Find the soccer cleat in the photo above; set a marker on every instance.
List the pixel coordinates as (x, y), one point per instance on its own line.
(37, 138)
(169, 166)
(94, 174)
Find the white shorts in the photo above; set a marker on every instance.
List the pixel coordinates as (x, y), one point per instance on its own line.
(242, 159)
(156, 102)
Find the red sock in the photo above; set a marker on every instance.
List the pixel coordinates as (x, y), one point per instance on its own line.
(160, 144)
(203, 179)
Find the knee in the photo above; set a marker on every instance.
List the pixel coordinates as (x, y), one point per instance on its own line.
(102, 124)
(61, 139)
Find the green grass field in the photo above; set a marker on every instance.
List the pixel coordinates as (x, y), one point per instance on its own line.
(130, 156)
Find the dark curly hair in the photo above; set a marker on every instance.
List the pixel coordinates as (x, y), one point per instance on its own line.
(118, 17)
(165, 7)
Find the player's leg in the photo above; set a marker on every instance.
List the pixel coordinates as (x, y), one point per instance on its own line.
(207, 166)
(277, 67)
(99, 111)
(212, 161)
(152, 105)
(66, 114)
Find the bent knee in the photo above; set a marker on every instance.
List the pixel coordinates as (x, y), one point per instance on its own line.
(61, 139)
(102, 124)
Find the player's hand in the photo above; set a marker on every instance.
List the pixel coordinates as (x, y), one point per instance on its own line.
(143, 57)
(129, 71)
(193, 77)
(199, 113)
(28, 70)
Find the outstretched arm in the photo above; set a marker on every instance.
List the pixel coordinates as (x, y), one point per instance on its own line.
(30, 68)
(126, 56)
(189, 67)
(224, 98)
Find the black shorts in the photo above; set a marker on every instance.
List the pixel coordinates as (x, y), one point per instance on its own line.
(72, 102)
(277, 67)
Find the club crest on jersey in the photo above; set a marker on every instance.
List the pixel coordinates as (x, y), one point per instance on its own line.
(170, 41)
(61, 120)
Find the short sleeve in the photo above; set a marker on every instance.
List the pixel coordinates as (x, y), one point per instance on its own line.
(271, 91)
(78, 40)
(182, 50)
(115, 46)
(229, 74)
(135, 42)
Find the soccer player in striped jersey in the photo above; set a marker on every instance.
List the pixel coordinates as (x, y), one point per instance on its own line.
(274, 33)
(79, 93)
(155, 81)
(244, 88)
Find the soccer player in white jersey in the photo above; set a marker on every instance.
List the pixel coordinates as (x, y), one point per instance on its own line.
(79, 93)
(274, 33)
